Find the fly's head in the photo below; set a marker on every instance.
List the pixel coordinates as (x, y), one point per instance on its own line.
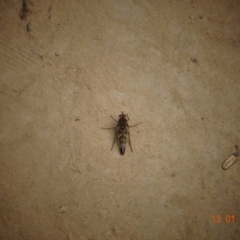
(123, 120)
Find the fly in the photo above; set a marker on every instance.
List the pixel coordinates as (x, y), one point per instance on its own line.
(122, 133)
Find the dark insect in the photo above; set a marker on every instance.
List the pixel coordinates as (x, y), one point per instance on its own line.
(122, 132)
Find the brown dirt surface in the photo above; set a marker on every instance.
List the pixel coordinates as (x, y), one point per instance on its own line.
(66, 66)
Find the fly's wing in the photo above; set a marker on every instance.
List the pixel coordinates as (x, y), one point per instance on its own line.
(230, 161)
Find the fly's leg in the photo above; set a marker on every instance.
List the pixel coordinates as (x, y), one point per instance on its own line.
(135, 125)
(115, 136)
(111, 127)
(114, 118)
(129, 141)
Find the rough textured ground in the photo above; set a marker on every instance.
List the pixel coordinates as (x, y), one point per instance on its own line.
(173, 65)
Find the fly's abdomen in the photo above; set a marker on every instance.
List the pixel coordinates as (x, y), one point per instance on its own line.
(122, 143)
